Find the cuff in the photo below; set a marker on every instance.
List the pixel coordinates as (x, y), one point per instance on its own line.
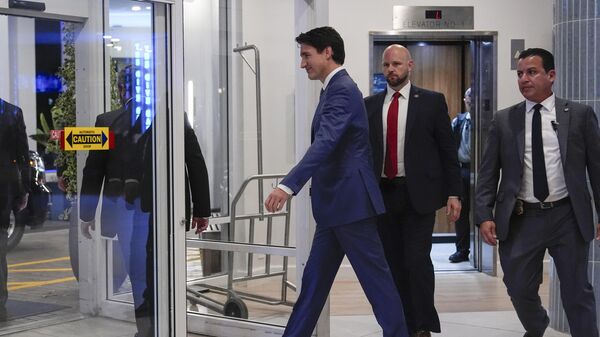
(285, 189)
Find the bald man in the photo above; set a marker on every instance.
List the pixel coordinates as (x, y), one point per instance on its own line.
(414, 156)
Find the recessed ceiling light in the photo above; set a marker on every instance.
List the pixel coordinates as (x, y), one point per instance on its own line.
(136, 8)
(115, 39)
(148, 7)
(106, 37)
(109, 44)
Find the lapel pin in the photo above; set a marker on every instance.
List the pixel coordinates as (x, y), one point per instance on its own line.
(566, 109)
(416, 95)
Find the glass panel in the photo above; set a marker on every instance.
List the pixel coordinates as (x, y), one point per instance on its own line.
(84, 242)
(129, 64)
(224, 103)
(135, 96)
(38, 245)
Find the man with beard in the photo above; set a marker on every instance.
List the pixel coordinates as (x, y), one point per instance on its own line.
(414, 156)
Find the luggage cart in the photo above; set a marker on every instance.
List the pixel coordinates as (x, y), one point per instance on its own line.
(234, 306)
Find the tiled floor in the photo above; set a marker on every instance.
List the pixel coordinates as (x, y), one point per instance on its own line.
(467, 324)
(470, 315)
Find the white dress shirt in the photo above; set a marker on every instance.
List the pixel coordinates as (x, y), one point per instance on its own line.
(554, 169)
(402, 112)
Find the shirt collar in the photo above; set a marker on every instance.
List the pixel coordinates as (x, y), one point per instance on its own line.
(548, 103)
(405, 92)
(333, 72)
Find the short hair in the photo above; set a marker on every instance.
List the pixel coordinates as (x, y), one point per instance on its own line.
(323, 37)
(546, 56)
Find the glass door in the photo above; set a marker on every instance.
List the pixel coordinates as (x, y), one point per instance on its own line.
(484, 54)
(143, 192)
(242, 273)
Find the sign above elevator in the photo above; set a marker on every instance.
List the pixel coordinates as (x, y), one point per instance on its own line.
(429, 17)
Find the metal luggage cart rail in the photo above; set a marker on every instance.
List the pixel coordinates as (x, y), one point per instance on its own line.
(234, 305)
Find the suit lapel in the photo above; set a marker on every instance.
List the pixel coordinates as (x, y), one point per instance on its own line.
(518, 125)
(378, 126)
(411, 113)
(562, 118)
(322, 98)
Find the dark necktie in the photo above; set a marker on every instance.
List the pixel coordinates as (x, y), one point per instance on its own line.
(540, 181)
(391, 151)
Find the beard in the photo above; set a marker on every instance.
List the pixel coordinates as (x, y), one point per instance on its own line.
(395, 81)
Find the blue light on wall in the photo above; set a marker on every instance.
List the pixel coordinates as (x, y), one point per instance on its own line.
(144, 85)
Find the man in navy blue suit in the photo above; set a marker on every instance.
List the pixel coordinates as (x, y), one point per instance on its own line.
(345, 194)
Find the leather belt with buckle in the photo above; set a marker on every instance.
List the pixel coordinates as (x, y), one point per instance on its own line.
(397, 181)
(522, 206)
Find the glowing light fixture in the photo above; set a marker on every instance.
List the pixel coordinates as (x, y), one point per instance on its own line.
(136, 8)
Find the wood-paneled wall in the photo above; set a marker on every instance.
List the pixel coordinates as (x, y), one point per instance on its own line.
(445, 69)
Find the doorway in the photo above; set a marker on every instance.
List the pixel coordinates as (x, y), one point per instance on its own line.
(450, 62)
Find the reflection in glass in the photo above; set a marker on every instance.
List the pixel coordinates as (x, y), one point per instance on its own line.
(118, 178)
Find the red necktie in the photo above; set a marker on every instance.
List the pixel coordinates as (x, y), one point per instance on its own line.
(391, 150)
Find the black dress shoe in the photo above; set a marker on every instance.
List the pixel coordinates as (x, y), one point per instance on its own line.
(460, 256)
(527, 334)
(421, 333)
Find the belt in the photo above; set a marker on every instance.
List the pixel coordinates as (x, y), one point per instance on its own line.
(397, 181)
(539, 205)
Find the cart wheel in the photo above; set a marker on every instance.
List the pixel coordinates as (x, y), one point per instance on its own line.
(235, 307)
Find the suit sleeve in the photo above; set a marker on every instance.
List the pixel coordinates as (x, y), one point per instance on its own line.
(447, 147)
(592, 145)
(336, 116)
(489, 174)
(197, 172)
(23, 151)
(92, 180)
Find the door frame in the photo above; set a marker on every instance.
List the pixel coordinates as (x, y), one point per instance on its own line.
(484, 256)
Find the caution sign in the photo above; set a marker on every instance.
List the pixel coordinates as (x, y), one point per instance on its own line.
(76, 139)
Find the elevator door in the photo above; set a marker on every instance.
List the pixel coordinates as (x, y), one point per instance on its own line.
(450, 62)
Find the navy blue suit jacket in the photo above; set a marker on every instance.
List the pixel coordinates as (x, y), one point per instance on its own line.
(430, 156)
(339, 161)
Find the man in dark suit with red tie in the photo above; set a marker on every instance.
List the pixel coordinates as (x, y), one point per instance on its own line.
(532, 196)
(415, 159)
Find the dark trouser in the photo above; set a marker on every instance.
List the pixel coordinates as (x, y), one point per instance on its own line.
(6, 204)
(521, 256)
(360, 243)
(463, 225)
(406, 237)
(144, 313)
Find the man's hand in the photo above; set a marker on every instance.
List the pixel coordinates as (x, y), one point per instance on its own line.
(200, 223)
(598, 231)
(86, 226)
(23, 202)
(453, 208)
(276, 200)
(488, 232)
(62, 184)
